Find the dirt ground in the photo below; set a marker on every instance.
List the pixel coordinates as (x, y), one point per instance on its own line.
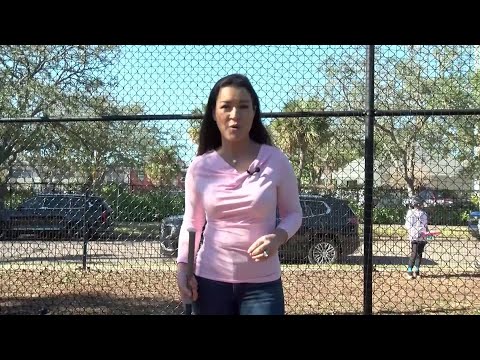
(24, 291)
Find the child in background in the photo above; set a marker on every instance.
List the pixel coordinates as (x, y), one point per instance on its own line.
(416, 223)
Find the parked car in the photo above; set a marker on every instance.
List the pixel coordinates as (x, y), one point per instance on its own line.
(472, 224)
(329, 232)
(58, 215)
(433, 198)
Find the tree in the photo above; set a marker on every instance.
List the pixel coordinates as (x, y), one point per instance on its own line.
(315, 145)
(194, 129)
(409, 77)
(68, 81)
(164, 166)
(44, 80)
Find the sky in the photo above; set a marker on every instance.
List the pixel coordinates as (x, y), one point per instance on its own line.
(177, 79)
(168, 79)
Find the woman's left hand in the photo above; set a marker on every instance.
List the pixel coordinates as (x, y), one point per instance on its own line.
(267, 245)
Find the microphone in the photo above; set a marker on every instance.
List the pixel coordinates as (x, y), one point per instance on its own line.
(250, 173)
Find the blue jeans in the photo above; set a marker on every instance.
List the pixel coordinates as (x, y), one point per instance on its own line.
(222, 298)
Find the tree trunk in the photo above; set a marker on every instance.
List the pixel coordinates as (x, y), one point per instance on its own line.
(410, 186)
(301, 164)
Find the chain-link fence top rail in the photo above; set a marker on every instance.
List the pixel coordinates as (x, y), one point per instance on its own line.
(95, 141)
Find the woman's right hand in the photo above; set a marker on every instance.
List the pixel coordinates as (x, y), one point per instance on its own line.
(187, 287)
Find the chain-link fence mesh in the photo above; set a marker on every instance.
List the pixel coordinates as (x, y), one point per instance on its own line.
(95, 142)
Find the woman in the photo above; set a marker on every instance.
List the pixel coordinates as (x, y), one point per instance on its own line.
(235, 184)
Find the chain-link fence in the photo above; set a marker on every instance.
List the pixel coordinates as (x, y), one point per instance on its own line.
(95, 142)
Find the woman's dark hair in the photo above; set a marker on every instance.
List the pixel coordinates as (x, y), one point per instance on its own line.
(210, 138)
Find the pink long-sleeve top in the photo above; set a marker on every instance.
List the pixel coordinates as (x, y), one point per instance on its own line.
(239, 208)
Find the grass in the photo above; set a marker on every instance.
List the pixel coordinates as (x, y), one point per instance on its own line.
(398, 231)
(138, 228)
(391, 231)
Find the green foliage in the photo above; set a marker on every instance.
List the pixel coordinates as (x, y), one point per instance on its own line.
(437, 215)
(137, 206)
(476, 200)
(315, 145)
(444, 215)
(163, 166)
(16, 197)
(195, 124)
(71, 80)
(382, 215)
(394, 215)
(412, 77)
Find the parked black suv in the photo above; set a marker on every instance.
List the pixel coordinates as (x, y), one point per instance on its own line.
(328, 233)
(58, 215)
(472, 224)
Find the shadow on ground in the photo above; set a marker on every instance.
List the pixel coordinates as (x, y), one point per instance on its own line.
(384, 260)
(86, 304)
(358, 260)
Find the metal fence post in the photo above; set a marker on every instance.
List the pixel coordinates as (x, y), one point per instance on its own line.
(368, 194)
(85, 233)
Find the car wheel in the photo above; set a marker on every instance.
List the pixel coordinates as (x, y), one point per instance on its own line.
(3, 232)
(323, 251)
(168, 248)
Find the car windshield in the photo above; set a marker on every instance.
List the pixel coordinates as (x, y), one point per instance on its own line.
(57, 202)
(34, 203)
